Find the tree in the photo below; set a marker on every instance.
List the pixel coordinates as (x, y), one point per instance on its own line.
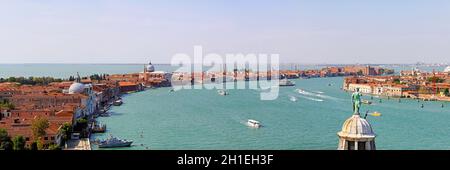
(5, 140)
(54, 147)
(446, 92)
(65, 131)
(71, 78)
(19, 143)
(38, 126)
(40, 144)
(435, 80)
(7, 105)
(359, 73)
(34, 146)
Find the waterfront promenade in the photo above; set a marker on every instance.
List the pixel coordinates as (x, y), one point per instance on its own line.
(78, 144)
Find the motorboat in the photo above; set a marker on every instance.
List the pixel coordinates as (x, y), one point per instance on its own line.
(376, 114)
(118, 102)
(98, 128)
(286, 82)
(367, 102)
(253, 123)
(223, 92)
(113, 142)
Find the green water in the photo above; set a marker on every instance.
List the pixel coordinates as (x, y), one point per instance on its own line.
(202, 119)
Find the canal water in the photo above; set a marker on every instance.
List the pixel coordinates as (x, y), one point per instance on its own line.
(202, 119)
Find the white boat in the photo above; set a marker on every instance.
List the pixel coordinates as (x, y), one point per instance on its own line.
(113, 142)
(118, 102)
(286, 82)
(367, 102)
(222, 92)
(253, 123)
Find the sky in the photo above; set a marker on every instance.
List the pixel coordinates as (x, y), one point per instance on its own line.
(300, 31)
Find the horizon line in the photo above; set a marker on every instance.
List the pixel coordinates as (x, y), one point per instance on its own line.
(95, 63)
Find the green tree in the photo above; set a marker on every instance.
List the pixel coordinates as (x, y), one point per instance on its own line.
(5, 140)
(359, 73)
(435, 80)
(65, 131)
(19, 143)
(40, 144)
(7, 105)
(82, 121)
(54, 147)
(38, 126)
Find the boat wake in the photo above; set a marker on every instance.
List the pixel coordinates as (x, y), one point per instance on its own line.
(313, 99)
(316, 94)
(293, 98)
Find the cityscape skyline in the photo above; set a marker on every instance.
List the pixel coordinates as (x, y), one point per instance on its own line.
(306, 32)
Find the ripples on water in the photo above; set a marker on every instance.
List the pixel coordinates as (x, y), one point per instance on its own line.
(202, 119)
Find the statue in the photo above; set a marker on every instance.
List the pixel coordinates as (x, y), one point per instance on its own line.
(356, 100)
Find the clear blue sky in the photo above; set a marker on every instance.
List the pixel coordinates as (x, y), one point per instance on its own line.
(135, 31)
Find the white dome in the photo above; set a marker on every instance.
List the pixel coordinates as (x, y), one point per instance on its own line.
(356, 127)
(447, 69)
(76, 88)
(150, 67)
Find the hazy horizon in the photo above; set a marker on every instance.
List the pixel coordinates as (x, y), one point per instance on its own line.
(304, 32)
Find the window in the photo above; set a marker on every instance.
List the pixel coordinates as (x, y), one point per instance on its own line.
(27, 139)
(52, 138)
(351, 145)
(361, 145)
(45, 138)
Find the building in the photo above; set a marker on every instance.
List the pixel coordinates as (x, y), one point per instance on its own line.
(363, 88)
(447, 69)
(126, 87)
(18, 123)
(150, 77)
(90, 104)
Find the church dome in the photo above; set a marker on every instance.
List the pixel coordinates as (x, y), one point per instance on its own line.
(150, 67)
(356, 127)
(76, 88)
(447, 70)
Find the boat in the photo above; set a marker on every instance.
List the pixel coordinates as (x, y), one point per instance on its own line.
(286, 82)
(367, 102)
(113, 142)
(98, 128)
(222, 92)
(375, 114)
(301, 91)
(118, 102)
(253, 123)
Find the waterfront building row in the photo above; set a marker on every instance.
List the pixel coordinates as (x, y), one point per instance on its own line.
(409, 84)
